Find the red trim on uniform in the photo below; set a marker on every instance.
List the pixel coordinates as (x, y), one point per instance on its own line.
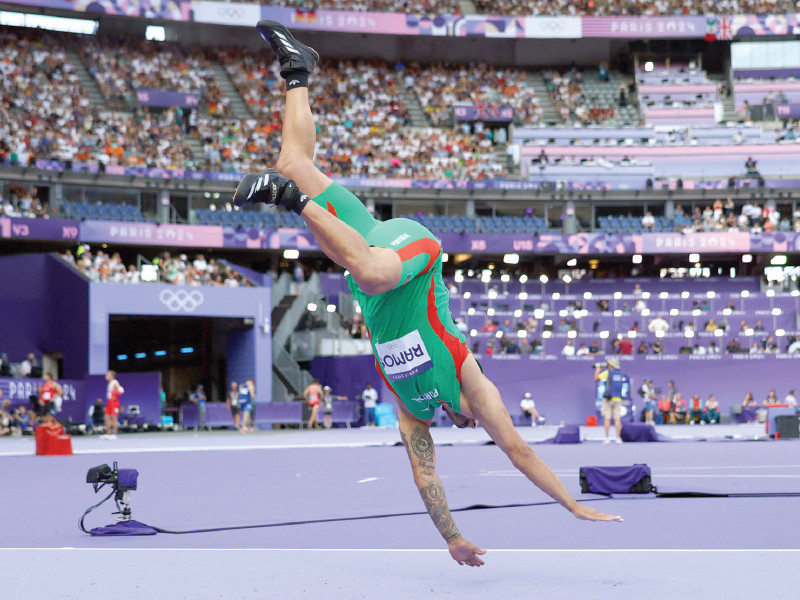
(330, 209)
(415, 248)
(458, 350)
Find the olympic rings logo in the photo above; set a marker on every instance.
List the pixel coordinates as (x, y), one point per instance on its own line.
(230, 12)
(181, 300)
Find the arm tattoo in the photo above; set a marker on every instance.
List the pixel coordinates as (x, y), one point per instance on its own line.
(423, 460)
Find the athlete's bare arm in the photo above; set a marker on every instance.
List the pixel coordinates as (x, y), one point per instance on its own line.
(417, 439)
(481, 400)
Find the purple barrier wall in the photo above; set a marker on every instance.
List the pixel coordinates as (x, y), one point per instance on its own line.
(73, 400)
(68, 316)
(140, 388)
(166, 98)
(347, 375)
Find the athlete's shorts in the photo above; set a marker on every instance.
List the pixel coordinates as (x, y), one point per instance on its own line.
(112, 408)
(419, 351)
(247, 407)
(610, 408)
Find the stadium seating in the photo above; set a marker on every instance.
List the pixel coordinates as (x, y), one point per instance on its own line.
(101, 212)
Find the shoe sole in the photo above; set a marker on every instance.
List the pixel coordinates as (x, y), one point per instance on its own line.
(265, 27)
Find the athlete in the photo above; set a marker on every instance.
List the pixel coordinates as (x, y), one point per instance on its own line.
(313, 395)
(113, 391)
(51, 396)
(247, 396)
(394, 270)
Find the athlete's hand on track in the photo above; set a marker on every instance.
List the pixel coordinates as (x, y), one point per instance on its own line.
(589, 514)
(465, 553)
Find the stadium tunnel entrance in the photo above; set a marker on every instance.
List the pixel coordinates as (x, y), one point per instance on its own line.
(186, 350)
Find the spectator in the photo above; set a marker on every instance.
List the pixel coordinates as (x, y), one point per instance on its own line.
(643, 348)
(247, 401)
(749, 400)
(658, 324)
(327, 405)
(665, 409)
(617, 388)
(713, 348)
(624, 346)
(695, 410)
(711, 410)
(568, 349)
(657, 347)
(791, 399)
(771, 399)
(648, 221)
(30, 366)
(679, 409)
(370, 398)
(582, 350)
(5, 365)
(528, 407)
(595, 349)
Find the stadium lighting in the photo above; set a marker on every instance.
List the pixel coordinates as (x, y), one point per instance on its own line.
(140, 355)
(617, 295)
(522, 333)
(747, 258)
(572, 262)
(473, 332)
(604, 334)
(523, 278)
(587, 295)
(358, 308)
(776, 312)
(486, 276)
(770, 293)
(648, 66)
(664, 295)
(572, 334)
(490, 312)
(696, 312)
(470, 311)
(445, 257)
(618, 313)
(122, 357)
(727, 312)
(498, 334)
(518, 313)
(331, 308)
(556, 296)
(694, 257)
(795, 293)
(719, 332)
(563, 313)
(684, 295)
(291, 254)
(538, 314)
(160, 353)
(636, 259)
(505, 278)
(780, 332)
(689, 333)
(312, 307)
(659, 333)
(547, 334)
(567, 279)
(17, 19)
(645, 295)
(459, 277)
(673, 312)
(467, 295)
(749, 332)
(511, 259)
(779, 260)
(632, 335)
(645, 312)
(543, 278)
(523, 295)
(549, 322)
(186, 350)
(492, 294)
(155, 33)
(711, 294)
(745, 294)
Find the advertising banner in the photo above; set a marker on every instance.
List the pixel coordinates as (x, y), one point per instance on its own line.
(38, 229)
(644, 27)
(166, 98)
(481, 111)
(151, 234)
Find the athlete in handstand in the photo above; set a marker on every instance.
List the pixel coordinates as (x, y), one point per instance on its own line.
(395, 273)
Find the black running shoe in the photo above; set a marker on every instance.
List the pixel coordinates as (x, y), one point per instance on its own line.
(293, 55)
(270, 187)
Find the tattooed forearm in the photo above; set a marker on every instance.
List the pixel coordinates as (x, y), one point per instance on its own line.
(435, 501)
(423, 461)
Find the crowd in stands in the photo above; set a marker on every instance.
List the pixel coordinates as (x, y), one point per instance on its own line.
(23, 202)
(420, 7)
(637, 8)
(121, 65)
(572, 103)
(440, 86)
(165, 268)
(722, 216)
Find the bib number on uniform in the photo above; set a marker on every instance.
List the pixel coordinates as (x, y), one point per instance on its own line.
(404, 357)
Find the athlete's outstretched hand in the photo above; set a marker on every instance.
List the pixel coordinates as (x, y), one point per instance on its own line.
(589, 514)
(465, 553)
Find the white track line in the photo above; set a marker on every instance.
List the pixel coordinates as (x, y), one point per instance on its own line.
(406, 550)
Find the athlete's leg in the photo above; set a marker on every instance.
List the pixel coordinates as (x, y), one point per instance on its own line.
(481, 400)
